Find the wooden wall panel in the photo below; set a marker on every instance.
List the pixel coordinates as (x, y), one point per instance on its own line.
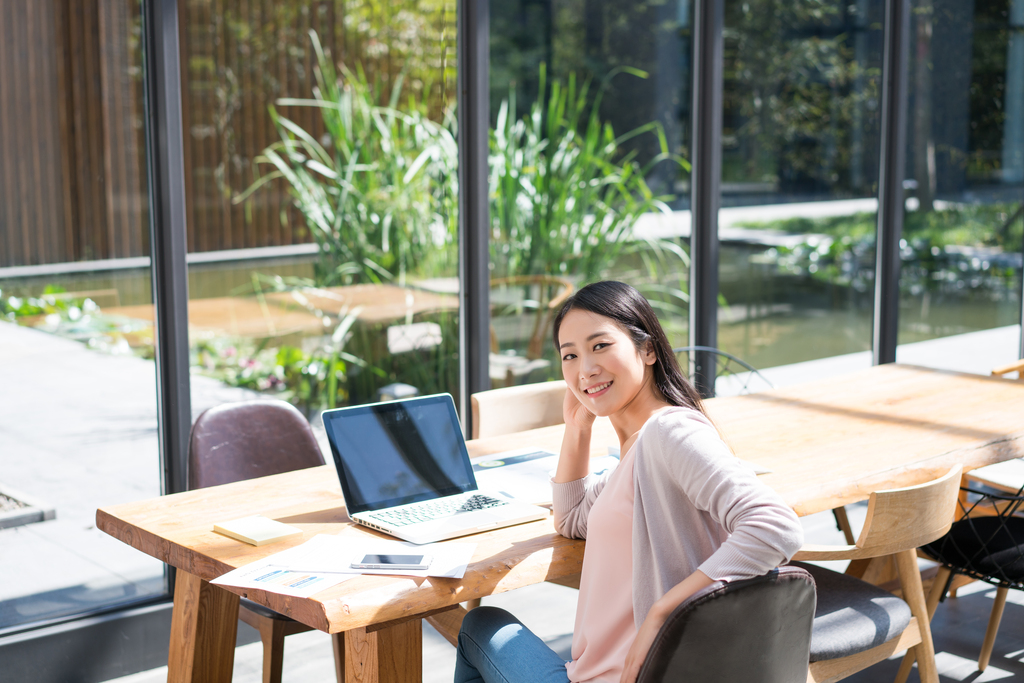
(32, 218)
(72, 171)
(72, 152)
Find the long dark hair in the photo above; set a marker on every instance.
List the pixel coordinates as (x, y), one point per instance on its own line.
(627, 307)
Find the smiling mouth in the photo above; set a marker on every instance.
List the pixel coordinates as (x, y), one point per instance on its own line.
(598, 389)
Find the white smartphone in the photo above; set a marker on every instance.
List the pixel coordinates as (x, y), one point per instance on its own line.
(375, 561)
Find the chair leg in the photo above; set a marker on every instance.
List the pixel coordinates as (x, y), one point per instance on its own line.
(993, 627)
(913, 593)
(844, 524)
(934, 595)
(272, 635)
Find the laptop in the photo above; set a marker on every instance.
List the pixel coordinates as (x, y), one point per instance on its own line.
(405, 470)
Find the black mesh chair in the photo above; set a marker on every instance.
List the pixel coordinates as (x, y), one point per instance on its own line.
(738, 376)
(986, 543)
(755, 631)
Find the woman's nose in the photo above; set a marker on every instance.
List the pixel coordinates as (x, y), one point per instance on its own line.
(589, 368)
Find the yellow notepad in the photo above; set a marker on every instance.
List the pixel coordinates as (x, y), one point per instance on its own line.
(257, 530)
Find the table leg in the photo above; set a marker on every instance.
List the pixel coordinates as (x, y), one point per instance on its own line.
(204, 624)
(389, 655)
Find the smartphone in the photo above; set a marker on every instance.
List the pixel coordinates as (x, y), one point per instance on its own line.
(393, 562)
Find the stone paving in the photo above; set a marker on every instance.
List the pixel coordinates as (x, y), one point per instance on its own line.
(78, 430)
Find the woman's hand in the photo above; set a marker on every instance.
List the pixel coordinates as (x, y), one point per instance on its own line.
(641, 646)
(575, 414)
(574, 461)
(656, 617)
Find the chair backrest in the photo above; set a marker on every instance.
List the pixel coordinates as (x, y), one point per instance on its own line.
(733, 376)
(756, 631)
(901, 519)
(515, 409)
(1017, 366)
(249, 439)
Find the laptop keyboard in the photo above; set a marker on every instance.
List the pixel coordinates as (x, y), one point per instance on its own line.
(436, 509)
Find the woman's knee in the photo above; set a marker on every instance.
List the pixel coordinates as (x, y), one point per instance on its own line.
(482, 623)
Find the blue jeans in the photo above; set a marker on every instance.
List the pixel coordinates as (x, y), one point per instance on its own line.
(494, 647)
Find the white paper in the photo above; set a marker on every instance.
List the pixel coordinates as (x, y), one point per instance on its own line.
(324, 561)
(336, 554)
(272, 574)
(525, 474)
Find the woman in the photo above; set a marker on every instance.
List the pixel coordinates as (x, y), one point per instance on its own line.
(679, 512)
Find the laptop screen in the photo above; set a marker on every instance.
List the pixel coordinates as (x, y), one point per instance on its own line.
(399, 452)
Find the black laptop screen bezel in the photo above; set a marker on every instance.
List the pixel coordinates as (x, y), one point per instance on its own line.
(343, 475)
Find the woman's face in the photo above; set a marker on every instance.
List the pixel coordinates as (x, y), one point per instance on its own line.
(600, 363)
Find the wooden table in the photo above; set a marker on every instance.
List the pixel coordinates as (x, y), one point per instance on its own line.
(282, 313)
(828, 443)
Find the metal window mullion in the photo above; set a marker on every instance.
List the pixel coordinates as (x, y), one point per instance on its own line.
(474, 257)
(709, 19)
(168, 240)
(892, 166)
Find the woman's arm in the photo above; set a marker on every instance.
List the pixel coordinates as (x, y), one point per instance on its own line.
(656, 617)
(572, 491)
(690, 458)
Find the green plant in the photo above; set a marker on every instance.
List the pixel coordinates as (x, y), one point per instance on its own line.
(309, 380)
(49, 303)
(564, 198)
(564, 202)
(378, 192)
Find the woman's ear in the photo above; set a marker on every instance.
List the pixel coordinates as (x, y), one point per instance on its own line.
(650, 357)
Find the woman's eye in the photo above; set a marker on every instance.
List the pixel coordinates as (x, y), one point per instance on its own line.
(601, 345)
(568, 356)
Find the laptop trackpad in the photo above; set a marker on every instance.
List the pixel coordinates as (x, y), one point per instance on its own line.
(475, 519)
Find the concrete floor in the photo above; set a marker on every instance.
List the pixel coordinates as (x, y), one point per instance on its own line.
(78, 430)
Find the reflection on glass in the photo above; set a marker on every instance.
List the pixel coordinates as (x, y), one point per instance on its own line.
(590, 117)
(78, 409)
(799, 179)
(964, 224)
(321, 171)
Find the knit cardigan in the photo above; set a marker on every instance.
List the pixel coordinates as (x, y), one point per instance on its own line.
(695, 507)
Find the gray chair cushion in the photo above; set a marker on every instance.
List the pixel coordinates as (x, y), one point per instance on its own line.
(852, 616)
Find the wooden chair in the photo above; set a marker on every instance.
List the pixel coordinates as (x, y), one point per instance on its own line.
(516, 409)
(857, 624)
(1016, 366)
(996, 476)
(756, 630)
(244, 440)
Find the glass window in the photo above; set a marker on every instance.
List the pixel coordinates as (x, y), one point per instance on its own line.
(588, 165)
(799, 183)
(321, 179)
(960, 282)
(78, 406)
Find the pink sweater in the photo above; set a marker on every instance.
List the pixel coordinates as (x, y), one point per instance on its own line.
(604, 629)
(695, 506)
